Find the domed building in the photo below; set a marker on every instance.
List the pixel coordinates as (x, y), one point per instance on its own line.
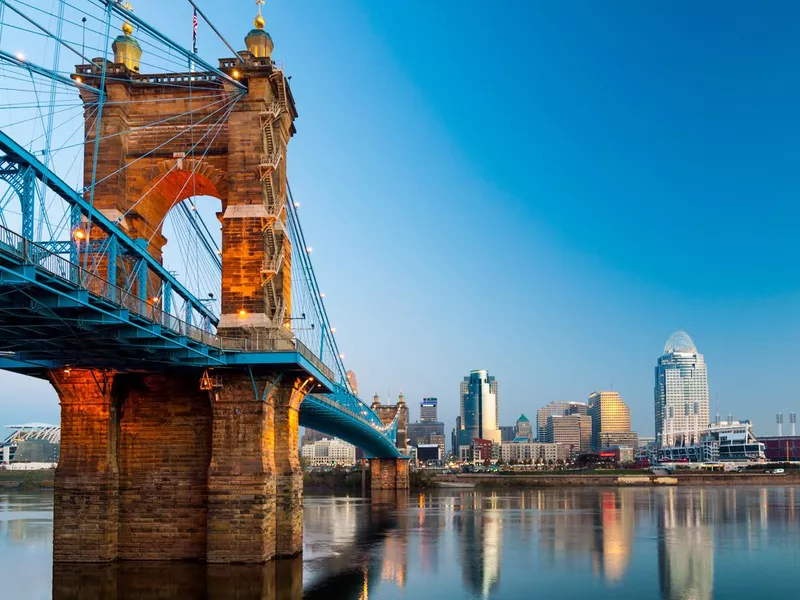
(681, 393)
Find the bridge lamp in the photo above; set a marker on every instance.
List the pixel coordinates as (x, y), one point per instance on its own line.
(322, 294)
(78, 79)
(20, 56)
(309, 249)
(242, 312)
(79, 234)
(341, 355)
(155, 299)
(297, 205)
(235, 74)
(333, 329)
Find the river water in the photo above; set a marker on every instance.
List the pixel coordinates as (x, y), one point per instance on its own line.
(675, 543)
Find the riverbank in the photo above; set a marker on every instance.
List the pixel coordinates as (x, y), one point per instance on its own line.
(27, 480)
(617, 479)
(339, 480)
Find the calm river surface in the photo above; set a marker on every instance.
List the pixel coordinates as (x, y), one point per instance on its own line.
(679, 543)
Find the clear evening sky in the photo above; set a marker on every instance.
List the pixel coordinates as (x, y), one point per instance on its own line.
(542, 189)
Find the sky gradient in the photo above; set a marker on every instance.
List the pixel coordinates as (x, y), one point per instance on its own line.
(545, 191)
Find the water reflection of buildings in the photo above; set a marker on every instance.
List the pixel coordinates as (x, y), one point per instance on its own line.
(685, 544)
(480, 534)
(613, 539)
(566, 516)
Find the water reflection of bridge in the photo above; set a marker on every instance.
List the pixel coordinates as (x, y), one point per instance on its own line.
(356, 547)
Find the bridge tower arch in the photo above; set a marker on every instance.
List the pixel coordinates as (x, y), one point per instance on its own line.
(236, 492)
(142, 169)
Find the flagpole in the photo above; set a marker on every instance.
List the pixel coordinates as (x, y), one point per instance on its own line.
(194, 40)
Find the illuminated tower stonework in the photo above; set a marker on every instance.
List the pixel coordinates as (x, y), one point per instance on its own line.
(681, 393)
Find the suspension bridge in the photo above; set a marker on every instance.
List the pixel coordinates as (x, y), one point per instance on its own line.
(186, 344)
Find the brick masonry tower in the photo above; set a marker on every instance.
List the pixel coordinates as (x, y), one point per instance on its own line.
(391, 473)
(153, 467)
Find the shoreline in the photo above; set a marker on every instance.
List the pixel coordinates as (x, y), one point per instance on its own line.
(616, 480)
(24, 481)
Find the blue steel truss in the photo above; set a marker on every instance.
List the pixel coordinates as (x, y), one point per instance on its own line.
(59, 310)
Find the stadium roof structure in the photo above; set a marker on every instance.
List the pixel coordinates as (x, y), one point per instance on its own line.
(32, 431)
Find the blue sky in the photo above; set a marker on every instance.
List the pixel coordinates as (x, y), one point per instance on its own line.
(545, 190)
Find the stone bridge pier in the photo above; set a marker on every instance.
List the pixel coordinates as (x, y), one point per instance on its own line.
(153, 468)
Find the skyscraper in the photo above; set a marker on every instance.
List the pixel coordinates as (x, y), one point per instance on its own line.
(554, 408)
(428, 410)
(572, 430)
(609, 415)
(479, 408)
(681, 393)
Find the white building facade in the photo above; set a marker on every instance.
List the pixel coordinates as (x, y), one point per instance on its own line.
(681, 393)
(534, 451)
(329, 453)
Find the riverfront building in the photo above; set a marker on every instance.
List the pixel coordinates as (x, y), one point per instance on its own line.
(525, 451)
(479, 408)
(681, 393)
(329, 453)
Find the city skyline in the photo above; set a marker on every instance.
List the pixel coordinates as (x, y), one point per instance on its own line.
(566, 95)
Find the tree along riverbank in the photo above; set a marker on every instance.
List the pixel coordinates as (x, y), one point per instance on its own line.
(618, 478)
(27, 480)
(344, 480)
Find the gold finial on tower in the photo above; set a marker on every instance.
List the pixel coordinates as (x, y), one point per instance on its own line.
(126, 49)
(127, 27)
(259, 21)
(258, 41)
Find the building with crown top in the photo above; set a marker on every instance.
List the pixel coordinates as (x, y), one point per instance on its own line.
(681, 400)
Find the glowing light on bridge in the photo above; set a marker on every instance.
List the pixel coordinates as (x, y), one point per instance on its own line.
(20, 56)
(79, 234)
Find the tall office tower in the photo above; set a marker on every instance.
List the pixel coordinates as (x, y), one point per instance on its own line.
(610, 415)
(428, 410)
(524, 429)
(508, 433)
(554, 408)
(455, 436)
(564, 430)
(681, 393)
(479, 408)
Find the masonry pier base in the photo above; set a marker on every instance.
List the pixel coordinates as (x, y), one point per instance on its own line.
(153, 468)
(389, 474)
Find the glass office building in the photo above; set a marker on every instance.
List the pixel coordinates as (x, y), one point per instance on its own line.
(609, 414)
(479, 408)
(681, 393)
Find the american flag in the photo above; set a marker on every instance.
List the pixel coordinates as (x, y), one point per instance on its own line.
(194, 31)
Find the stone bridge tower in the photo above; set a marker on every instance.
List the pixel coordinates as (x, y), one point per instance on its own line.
(239, 156)
(153, 467)
(391, 474)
